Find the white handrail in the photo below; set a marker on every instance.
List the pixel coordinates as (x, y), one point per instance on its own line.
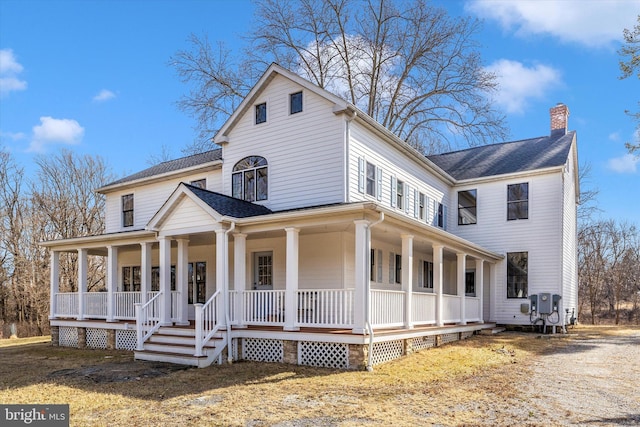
(206, 322)
(147, 319)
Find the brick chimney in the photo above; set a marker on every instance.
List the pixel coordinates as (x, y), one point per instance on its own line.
(559, 119)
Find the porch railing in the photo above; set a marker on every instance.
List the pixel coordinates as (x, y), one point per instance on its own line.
(66, 304)
(387, 308)
(124, 304)
(423, 308)
(147, 319)
(451, 308)
(95, 305)
(260, 308)
(325, 308)
(472, 309)
(206, 322)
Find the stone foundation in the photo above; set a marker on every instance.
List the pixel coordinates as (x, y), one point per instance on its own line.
(55, 336)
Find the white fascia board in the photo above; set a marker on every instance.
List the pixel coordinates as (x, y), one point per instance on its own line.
(165, 210)
(506, 176)
(100, 241)
(204, 167)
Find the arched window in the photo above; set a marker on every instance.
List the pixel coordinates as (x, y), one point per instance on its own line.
(249, 180)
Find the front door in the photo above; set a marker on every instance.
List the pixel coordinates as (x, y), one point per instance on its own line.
(263, 271)
(197, 289)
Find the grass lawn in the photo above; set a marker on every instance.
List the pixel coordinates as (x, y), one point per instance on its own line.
(448, 385)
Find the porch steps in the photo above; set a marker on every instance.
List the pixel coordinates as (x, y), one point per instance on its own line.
(177, 345)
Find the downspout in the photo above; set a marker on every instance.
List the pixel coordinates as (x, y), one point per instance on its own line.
(226, 297)
(367, 306)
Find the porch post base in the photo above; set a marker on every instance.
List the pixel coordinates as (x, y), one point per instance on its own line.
(291, 328)
(358, 331)
(111, 320)
(462, 323)
(240, 327)
(181, 323)
(161, 323)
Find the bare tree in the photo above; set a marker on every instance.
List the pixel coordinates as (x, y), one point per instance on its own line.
(407, 64)
(630, 64)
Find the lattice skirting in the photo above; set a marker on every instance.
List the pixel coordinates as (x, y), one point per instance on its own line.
(386, 351)
(260, 350)
(126, 340)
(68, 336)
(421, 343)
(446, 338)
(323, 354)
(96, 338)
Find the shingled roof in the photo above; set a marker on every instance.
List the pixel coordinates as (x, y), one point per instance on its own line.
(228, 206)
(507, 157)
(173, 165)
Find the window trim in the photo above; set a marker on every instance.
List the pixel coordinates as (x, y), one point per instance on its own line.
(512, 278)
(517, 202)
(471, 209)
(259, 164)
(467, 274)
(259, 119)
(125, 211)
(291, 103)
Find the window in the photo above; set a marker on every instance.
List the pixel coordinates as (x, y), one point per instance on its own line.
(131, 279)
(200, 183)
(518, 201)
(470, 283)
(261, 113)
(395, 268)
(127, 210)
(467, 207)
(400, 195)
(295, 103)
(197, 282)
(425, 275)
(372, 269)
(517, 277)
(249, 180)
(422, 211)
(439, 216)
(155, 278)
(371, 179)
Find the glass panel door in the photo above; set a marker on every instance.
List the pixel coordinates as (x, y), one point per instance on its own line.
(263, 271)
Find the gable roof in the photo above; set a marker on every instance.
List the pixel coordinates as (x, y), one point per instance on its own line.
(226, 205)
(508, 157)
(166, 168)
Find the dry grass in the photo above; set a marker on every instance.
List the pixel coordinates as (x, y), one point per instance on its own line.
(449, 385)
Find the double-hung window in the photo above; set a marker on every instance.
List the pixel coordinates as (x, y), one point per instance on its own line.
(467, 211)
(470, 283)
(400, 194)
(395, 268)
(200, 183)
(249, 179)
(517, 201)
(371, 179)
(422, 207)
(425, 275)
(127, 210)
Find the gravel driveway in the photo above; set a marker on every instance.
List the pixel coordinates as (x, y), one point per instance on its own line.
(592, 381)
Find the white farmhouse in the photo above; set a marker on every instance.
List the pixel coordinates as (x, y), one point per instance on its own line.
(315, 236)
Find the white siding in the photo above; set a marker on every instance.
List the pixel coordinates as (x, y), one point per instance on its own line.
(187, 214)
(569, 241)
(148, 199)
(304, 150)
(540, 236)
(364, 144)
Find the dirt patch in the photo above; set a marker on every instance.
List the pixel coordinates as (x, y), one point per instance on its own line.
(119, 371)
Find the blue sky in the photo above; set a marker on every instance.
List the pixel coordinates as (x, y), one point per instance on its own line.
(92, 76)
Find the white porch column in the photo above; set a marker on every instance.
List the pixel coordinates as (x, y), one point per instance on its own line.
(291, 285)
(239, 275)
(493, 291)
(437, 282)
(54, 282)
(165, 280)
(360, 298)
(112, 281)
(145, 272)
(82, 281)
(461, 270)
(480, 286)
(407, 278)
(222, 250)
(182, 282)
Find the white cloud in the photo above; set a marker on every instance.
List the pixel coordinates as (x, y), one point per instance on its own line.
(590, 23)
(9, 69)
(104, 95)
(519, 83)
(624, 164)
(14, 136)
(614, 136)
(65, 131)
